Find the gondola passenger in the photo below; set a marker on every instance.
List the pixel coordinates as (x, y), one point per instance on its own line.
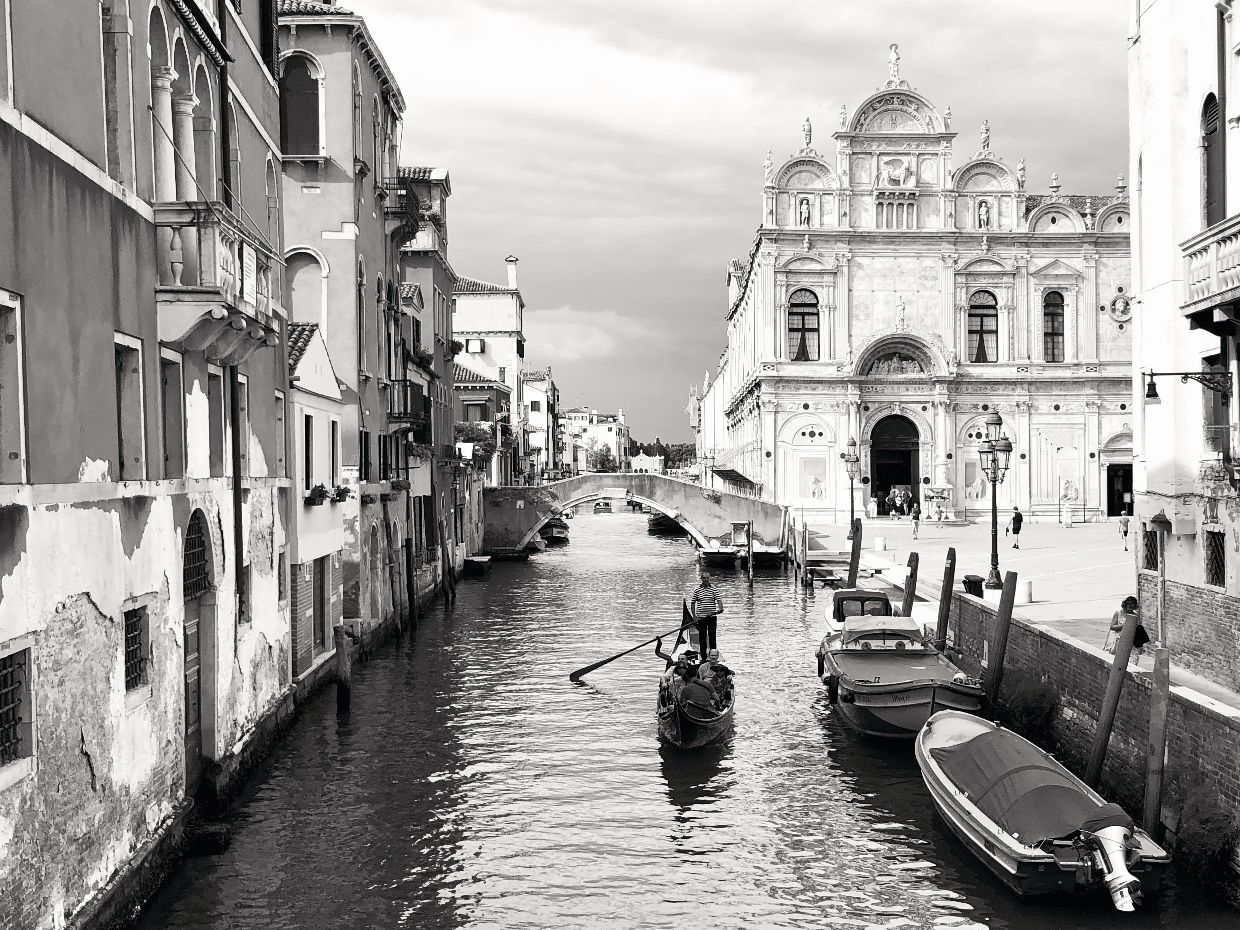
(694, 692)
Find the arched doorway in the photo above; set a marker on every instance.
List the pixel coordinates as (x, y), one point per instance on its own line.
(195, 588)
(894, 447)
(1116, 454)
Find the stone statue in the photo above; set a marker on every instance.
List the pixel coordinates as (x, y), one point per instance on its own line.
(985, 135)
(983, 215)
(1020, 172)
(900, 312)
(808, 129)
(803, 212)
(893, 63)
(947, 118)
(805, 243)
(766, 165)
(1070, 492)
(843, 116)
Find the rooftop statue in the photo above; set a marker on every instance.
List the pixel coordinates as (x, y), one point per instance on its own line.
(808, 129)
(893, 62)
(985, 135)
(766, 165)
(843, 116)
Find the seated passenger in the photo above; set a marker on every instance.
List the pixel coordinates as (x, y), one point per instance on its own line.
(696, 693)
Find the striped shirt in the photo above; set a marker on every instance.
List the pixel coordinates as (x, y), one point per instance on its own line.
(705, 602)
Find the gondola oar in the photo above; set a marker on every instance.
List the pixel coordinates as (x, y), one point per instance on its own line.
(687, 621)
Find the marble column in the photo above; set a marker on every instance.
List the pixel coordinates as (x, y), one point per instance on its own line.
(1087, 314)
(183, 137)
(161, 132)
(843, 342)
(1024, 313)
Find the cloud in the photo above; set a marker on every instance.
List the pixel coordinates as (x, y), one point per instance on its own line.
(568, 335)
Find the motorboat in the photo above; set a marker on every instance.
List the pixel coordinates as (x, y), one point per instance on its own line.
(602, 506)
(685, 725)
(882, 675)
(659, 524)
(1035, 825)
(555, 532)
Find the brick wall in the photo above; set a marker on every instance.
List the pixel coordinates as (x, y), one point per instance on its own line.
(301, 611)
(1203, 739)
(1202, 627)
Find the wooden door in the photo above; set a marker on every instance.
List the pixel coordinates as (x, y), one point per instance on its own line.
(320, 604)
(193, 698)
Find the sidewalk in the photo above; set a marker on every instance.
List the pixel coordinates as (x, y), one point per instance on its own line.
(1079, 574)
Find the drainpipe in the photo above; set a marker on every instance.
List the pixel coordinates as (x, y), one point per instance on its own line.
(234, 405)
(226, 140)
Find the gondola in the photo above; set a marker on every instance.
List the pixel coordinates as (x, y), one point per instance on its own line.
(687, 727)
(1034, 824)
(882, 676)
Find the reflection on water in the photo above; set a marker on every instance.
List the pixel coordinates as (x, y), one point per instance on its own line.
(474, 786)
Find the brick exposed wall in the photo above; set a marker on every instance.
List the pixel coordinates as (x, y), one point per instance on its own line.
(1203, 742)
(301, 609)
(1202, 627)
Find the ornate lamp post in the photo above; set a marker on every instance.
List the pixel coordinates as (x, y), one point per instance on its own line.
(995, 452)
(852, 465)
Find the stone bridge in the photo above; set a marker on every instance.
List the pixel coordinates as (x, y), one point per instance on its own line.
(514, 515)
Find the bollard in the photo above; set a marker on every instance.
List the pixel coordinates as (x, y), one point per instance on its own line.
(910, 585)
(1156, 759)
(945, 600)
(749, 552)
(1024, 592)
(880, 543)
(854, 559)
(344, 670)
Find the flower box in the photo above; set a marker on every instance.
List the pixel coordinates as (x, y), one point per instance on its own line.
(317, 495)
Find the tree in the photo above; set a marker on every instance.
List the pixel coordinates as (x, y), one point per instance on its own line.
(599, 457)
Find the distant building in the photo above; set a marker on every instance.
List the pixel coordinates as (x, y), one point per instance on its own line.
(607, 430)
(546, 443)
(642, 464)
(1186, 211)
(481, 404)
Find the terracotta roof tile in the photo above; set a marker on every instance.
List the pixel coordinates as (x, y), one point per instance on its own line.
(463, 375)
(474, 286)
(311, 8)
(299, 336)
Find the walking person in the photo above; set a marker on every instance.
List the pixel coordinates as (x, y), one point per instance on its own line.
(1128, 608)
(1123, 528)
(1014, 525)
(706, 607)
(915, 514)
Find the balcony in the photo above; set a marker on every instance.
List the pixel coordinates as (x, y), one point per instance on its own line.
(214, 288)
(1212, 277)
(408, 405)
(401, 208)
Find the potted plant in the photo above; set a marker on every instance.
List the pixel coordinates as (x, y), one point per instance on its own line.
(317, 495)
(340, 494)
(399, 484)
(368, 498)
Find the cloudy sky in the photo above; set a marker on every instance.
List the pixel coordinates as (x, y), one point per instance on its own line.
(616, 146)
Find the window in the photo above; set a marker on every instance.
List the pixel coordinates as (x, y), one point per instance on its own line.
(131, 451)
(1216, 558)
(535, 406)
(1149, 549)
(803, 326)
(1214, 409)
(1212, 161)
(172, 395)
(364, 457)
(13, 390)
(299, 107)
(385, 458)
(307, 453)
(215, 418)
(244, 614)
(267, 32)
(1052, 326)
(305, 278)
(16, 707)
(474, 346)
(335, 452)
(503, 373)
(243, 422)
(983, 327)
(281, 439)
(475, 413)
(282, 574)
(137, 647)
(195, 567)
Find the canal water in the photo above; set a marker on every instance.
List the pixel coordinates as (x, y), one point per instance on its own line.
(474, 786)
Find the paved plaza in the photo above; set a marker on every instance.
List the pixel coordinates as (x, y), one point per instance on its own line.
(1079, 574)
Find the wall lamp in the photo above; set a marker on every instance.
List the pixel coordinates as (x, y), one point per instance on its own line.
(1219, 382)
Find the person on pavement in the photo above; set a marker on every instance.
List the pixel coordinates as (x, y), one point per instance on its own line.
(1123, 528)
(1014, 526)
(915, 515)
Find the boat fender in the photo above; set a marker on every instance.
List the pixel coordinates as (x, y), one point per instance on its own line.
(822, 664)
(833, 688)
(848, 698)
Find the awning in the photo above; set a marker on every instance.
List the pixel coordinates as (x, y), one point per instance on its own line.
(731, 474)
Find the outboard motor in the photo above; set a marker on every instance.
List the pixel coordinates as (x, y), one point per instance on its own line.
(1109, 833)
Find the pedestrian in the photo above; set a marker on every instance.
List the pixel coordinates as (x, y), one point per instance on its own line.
(1123, 528)
(891, 504)
(1014, 526)
(1129, 607)
(915, 514)
(706, 607)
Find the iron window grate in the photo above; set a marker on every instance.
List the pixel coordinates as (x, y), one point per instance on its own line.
(1149, 549)
(195, 579)
(1216, 558)
(12, 697)
(135, 648)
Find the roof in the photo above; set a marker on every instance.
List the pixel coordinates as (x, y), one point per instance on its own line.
(466, 285)
(299, 336)
(463, 375)
(311, 8)
(1077, 202)
(536, 375)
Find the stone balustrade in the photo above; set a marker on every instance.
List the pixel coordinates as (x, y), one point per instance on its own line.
(1212, 267)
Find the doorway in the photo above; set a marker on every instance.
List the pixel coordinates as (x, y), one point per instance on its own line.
(894, 466)
(1119, 490)
(320, 607)
(198, 617)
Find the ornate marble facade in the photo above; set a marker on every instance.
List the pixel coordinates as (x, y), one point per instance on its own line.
(898, 298)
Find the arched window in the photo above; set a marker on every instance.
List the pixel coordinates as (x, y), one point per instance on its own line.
(1052, 326)
(196, 565)
(305, 277)
(803, 326)
(983, 327)
(1212, 160)
(357, 111)
(299, 107)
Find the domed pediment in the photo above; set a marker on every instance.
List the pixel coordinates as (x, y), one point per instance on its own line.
(985, 175)
(804, 173)
(896, 112)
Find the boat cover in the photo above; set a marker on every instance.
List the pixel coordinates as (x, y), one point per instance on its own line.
(901, 627)
(1018, 786)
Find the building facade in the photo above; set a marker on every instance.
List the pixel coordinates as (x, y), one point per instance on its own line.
(1186, 212)
(144, 627)
(479, 403)
(643, 464)
(898, 294)
(542, 412)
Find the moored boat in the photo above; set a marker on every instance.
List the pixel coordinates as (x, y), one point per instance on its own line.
(602, 506)
(882, 676)
(555, 532)
(659, 524)
(685, 725)
(1034, 824)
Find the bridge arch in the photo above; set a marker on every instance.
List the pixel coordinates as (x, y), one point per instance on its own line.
(588, 497)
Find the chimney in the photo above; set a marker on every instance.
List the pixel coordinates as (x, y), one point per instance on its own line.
(511, 262)
(620, 414)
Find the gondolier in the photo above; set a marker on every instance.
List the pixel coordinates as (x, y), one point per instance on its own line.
(706, 607)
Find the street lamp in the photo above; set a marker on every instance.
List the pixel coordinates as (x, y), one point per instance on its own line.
(995, 451)
(852, 465)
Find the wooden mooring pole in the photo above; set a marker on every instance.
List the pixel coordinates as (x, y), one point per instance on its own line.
(1110, 701)
(854, 561)
(805, 582)
(998, 647)
(749, 552)
(344, 669)
(945, 600)
(1160, 700)
(910, 585)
